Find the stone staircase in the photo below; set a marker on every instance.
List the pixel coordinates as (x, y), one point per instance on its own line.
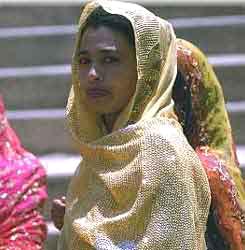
(36, 47)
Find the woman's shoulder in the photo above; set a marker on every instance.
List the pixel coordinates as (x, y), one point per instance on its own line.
(165, 146)
(166, 134)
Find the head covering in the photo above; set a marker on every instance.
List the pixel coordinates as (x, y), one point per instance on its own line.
(141, 186)
(155, 45)
(199, 103)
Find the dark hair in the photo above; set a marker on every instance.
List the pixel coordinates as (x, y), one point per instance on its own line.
(117, 23)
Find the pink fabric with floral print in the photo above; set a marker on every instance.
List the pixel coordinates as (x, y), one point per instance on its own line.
(23, 192)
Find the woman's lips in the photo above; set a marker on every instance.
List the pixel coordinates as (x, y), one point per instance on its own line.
(97, 92)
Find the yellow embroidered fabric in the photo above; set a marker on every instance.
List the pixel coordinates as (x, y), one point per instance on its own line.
(142, 186)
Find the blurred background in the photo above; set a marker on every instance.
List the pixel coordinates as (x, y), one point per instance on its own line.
(36, 43)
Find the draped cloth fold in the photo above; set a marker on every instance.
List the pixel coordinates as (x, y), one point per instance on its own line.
(142, 184)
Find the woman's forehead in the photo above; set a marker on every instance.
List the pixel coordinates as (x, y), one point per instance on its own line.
(103, 38)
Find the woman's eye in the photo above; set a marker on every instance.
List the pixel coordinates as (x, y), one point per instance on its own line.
(110, 59)
(84, 61)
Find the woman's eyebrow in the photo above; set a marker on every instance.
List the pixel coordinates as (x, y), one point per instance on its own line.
(102, 49)
(108, 49)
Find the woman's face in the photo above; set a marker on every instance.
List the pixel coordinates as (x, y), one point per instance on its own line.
(108, 72)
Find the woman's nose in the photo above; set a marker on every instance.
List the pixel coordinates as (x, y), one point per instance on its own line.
(93, 74)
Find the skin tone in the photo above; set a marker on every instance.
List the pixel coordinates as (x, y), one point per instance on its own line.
(108, 72)
(58, 212)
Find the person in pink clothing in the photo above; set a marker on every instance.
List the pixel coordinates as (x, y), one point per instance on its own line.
(23, 192)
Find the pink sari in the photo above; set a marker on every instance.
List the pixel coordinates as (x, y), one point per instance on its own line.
(22, 193)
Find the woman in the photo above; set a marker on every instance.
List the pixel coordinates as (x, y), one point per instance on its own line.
(22, 193)
(140, 185)
(199, 104)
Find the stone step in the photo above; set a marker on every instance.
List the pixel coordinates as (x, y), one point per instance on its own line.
(45, 131)
(41, 90)
(53, 233)
(66, 29)
(44, 135)
(47, 50)
(208, 38)
(232, 81)
(178, 23)
(237, 124)
(28, 15)
(40, 15)
(20, 52)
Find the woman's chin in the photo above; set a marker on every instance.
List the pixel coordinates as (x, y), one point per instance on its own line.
(102, 108)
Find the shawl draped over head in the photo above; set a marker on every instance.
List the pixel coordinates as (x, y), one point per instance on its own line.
(141, 186)
(23, 192)
(200, 107)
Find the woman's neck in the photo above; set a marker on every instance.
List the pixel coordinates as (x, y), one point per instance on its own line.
(109, 120)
